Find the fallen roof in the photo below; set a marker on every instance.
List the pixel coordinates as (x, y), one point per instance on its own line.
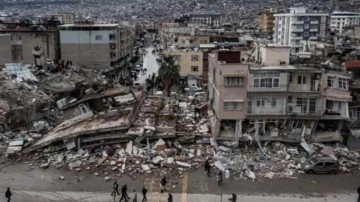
(20, 70)
(111, 92)
(89, 126)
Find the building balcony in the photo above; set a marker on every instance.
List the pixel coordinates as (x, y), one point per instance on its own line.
(255, 110)
(298, 30)
(296, 38)
(279, 88)
(303, 110)
(314, 30)
(313, 38)
(314, 22)
(297, 22)
(304, 88)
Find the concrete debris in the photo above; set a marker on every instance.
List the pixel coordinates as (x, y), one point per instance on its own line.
(61, 178)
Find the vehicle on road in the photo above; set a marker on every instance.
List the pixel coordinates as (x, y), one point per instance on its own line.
(193, 88)
(321, 165)
(198, 96)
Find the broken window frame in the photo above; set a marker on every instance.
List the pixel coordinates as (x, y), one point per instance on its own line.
(331, 81)
(194, 68)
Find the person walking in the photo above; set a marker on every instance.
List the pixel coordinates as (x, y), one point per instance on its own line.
(163, 184)
(219, 178)
(207, 167)
(115, 190)
(8, 194)
(124, 194)
(358, 190)
(135, 196)
(233, 198)
(170, 198)
(144, 192)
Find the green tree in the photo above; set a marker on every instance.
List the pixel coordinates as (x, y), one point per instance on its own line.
(168, 73)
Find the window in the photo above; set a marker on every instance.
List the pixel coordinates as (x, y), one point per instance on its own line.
(290, 78)
(194, 68)
(194, 58)
(233, 106)
(98, 37)
(289, 99)
(259, 103)
(302, 103)
(342, 83)
(233, 81)
(266, 80)
(331, 81)
(111, 36)
(306, 34)
(301, 79)
(306, 26)
(83, 109)
(273, 102)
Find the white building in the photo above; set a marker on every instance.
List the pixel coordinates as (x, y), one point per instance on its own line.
(339, 20)
(299, 24)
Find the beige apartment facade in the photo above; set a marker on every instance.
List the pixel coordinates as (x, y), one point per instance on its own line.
(191, 66)
(5, 49)
(266, 22)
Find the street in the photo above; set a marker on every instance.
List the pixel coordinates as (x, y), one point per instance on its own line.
(44, 185)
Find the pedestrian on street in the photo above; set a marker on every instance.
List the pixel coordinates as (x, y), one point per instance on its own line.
(115, 190)
(8, 194)
(144, 192)
(219, 178)
(170, 198)
(358, 190)
(135, 196)
(233, 198)
(124, 194)
(162, 184)
(207, 167)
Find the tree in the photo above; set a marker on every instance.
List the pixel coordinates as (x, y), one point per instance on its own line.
(168, 73)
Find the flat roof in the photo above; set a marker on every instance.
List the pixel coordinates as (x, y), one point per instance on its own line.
(301, 14)
(89, 25)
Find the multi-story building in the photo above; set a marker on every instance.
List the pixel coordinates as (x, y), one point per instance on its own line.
(169, 32)
(65, 18)
(299, 24)
(340, 20)
(277, 101)
(227, 89)
(266, 23)
(191, 41)
(191, 65)
(205, 19)
(27, 43)
(97, 46)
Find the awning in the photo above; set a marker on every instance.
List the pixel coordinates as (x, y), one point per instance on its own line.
(207, 45)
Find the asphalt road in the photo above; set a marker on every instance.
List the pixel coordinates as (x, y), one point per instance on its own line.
(44, 185)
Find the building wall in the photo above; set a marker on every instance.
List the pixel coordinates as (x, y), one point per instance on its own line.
(5, 49)
(96, 56)
(219, 93)
(187, 60)
(340, 21)
(275, 55)
(22, 44)
(266, 22)
(184, 41)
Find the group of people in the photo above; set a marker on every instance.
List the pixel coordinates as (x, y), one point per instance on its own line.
(144, 191)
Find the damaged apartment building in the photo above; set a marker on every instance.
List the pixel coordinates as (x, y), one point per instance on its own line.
(272, 100)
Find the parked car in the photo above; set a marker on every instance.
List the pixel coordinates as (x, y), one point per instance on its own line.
(321, 165)
(193, 88)
(197, 96)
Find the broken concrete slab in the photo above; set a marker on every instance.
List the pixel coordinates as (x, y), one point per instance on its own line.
(183, 164)
(160, 142)
(129, 147)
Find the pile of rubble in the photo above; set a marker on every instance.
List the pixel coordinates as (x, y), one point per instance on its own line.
(274, 160)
